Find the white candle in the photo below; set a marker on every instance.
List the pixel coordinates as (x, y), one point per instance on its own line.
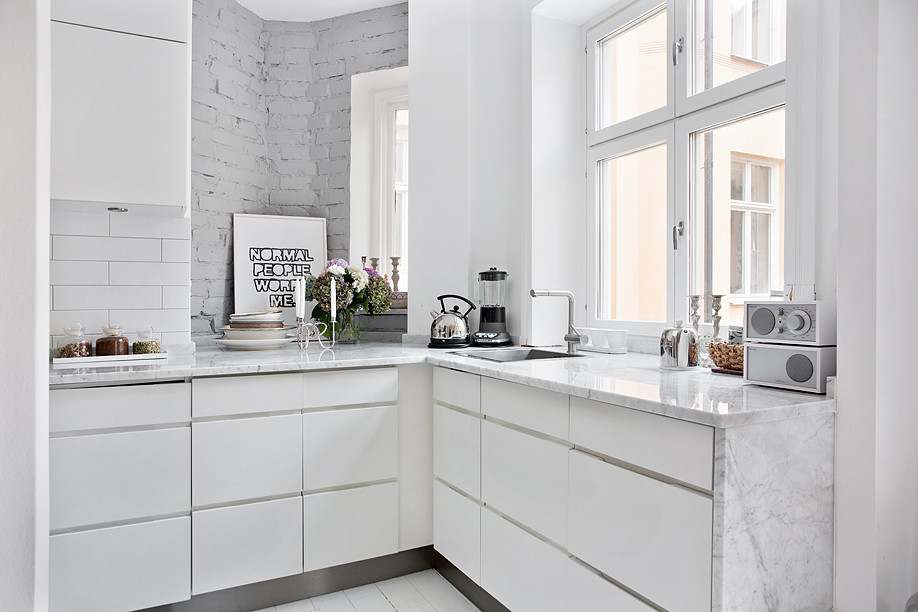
(334, 300)
(298, 296)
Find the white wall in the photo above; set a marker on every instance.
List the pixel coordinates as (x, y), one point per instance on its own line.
(24, 174)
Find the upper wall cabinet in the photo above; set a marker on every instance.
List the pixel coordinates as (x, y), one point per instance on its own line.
(119, 121)
(166, 19)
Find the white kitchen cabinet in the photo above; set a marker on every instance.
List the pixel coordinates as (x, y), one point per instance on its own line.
(543, 411)
(249, 543)
(349, 387)
(166, 19)
(350, 525)
(121, 568)
(457, 449)
(587, 591)
(235, 395)
(73, 410)
(120, 476)
(678, 449)
(521, 571)
(245, 459)
(119, 121)
(651, 536)
(458, 389)
(526, 478)
(349, 446)
(457, 530)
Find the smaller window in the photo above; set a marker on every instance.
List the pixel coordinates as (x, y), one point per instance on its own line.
(753, 215)
(755, 28)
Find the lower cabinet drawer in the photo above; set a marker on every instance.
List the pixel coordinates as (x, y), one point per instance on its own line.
(587, 591)
(244, 544)
(350, 525)
(519, 570)
(457, 449)
(121, 568)
(651, 536)
(119, 476)
(457, 530)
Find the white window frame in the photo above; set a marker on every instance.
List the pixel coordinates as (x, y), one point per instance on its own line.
(386, 103)
(747, 207)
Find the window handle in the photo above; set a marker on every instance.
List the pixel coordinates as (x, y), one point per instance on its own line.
(678, 230)
(677, 49)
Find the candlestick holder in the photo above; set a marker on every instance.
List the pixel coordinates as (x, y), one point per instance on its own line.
(307, 330)
(695, 304)
(715, 319)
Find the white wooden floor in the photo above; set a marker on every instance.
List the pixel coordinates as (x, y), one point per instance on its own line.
(425, 591)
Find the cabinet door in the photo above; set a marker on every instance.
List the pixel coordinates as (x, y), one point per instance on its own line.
(458, 389)
(525, 478)
(244, 459)
(348, 387)
(248, 543)
(518, 569)
(350, 446)
(111, 477)
(350, 525)
(457, 530)
(457, 449)
(651, 536)
(233, 395)
(129, 406)
(119, 118)
(587, 591)
(161, 19)
(121, 568)
(537, 409)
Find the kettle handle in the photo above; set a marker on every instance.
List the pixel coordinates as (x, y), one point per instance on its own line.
(458, 297)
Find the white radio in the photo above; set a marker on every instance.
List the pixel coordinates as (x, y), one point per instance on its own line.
(803, 323)
(802, 368)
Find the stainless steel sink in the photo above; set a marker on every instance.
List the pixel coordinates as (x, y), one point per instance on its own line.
(514, 354)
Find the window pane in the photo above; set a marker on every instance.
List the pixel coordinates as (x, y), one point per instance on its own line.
(743, 35)
(737, 262)
(761, 183)
(632, 192)
(398, 236)
(737, 180)
(716, 255)
(632, 69)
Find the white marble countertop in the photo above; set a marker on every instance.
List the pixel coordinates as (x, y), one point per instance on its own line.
(633, 380)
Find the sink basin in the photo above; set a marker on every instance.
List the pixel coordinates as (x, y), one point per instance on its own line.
(514, 354)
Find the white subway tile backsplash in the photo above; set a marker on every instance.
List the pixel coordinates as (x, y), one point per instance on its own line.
(79, 224)
(100, 297)
(137, 226)
(133, 273)
(176, 297)
(90, 248)
(79, 272)
(92, 320)
(164, 320)
(176, 337)
(177, 250)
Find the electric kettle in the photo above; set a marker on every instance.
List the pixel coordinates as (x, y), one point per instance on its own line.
(450, 328)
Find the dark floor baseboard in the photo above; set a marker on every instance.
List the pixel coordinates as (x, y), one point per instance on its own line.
(465, 585)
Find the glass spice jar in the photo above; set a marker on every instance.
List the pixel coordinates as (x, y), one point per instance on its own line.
(73, 343)
(146, 343)
(112, 343)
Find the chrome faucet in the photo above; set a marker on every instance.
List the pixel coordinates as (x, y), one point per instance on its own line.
(572, 337)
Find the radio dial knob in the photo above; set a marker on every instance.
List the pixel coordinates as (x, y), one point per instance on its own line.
(798, 322)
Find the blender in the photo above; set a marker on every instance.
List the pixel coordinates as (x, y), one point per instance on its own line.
(492, 324)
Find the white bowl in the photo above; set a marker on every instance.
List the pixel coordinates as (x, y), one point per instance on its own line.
(255, 334)
(252, 317)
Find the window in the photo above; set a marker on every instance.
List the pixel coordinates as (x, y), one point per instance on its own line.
(685, 159)
(397, 194)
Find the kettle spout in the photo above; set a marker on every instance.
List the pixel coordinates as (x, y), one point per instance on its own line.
(434, 314)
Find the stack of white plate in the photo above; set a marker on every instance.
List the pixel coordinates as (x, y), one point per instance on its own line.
(254, 331)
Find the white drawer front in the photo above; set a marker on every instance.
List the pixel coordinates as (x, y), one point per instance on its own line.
(458, 389)
(343, 388)
(121, 568)
(682, 450)
(526, 478)
(457, 530)
(350, 525)
(246, 395)
(350, 446)
(128, 406)
(244, 544)
(653, 537)
(110, 477)
(587, 591)
(457, 449)
(242, 459)
(518, 569)
(543, 411)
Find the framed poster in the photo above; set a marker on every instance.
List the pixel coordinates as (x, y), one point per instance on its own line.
(269, 253)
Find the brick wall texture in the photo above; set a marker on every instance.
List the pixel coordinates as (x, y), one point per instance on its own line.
(270, 128)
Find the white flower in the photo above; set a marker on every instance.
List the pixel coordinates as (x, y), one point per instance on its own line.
(361, 278)
(335, 269)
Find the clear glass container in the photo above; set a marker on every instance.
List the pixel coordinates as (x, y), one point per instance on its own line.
(73, 343)
(146, 343)
(112, 343)
(492, 288)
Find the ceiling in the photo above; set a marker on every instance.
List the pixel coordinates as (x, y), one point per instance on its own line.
(310, 10)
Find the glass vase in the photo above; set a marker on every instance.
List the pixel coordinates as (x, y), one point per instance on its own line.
(346, 327)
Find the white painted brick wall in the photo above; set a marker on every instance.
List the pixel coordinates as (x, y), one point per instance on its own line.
(271, 128)
(127, 268)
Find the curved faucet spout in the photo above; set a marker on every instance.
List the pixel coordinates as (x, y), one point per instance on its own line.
(572, 337)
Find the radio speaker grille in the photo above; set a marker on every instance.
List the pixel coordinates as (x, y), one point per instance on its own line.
(763, 321)
(799, 368)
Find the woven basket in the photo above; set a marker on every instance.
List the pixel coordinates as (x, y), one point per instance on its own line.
(727, 356)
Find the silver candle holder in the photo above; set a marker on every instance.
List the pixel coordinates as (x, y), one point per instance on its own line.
(715, 319)
(305, 331)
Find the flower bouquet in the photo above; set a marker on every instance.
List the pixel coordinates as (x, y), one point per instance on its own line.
(355, 288)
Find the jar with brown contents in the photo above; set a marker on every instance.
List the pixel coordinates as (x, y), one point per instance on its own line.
(112, 343)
